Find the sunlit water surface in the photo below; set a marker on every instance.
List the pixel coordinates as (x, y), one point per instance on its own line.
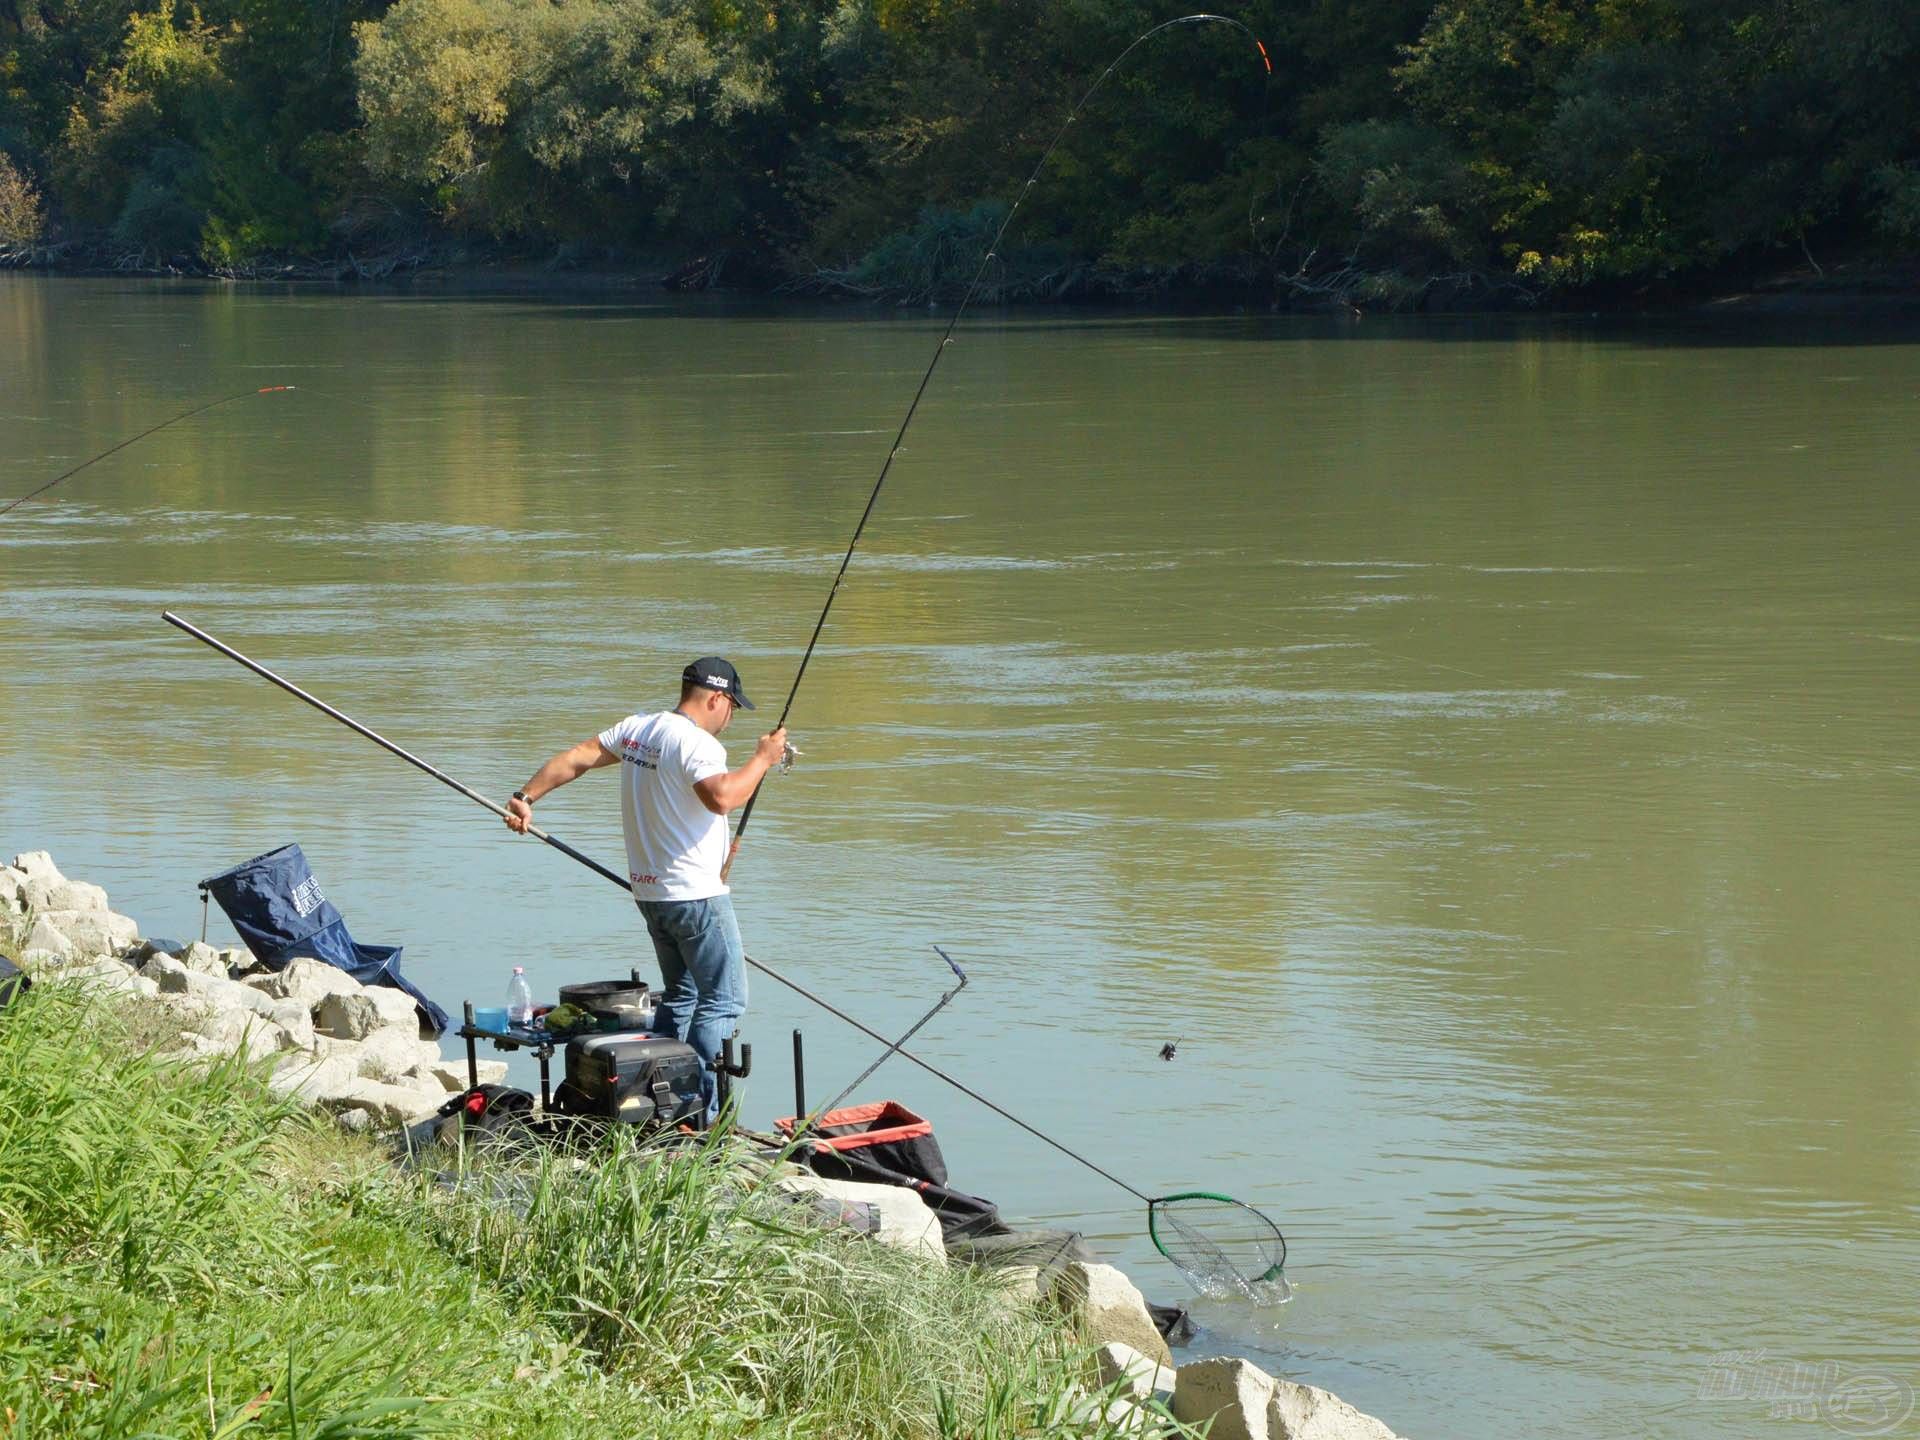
(1488, 750)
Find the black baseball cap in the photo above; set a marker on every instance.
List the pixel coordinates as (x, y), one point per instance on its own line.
(716, 674)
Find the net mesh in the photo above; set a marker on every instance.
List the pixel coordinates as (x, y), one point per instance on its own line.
(1224, 1248)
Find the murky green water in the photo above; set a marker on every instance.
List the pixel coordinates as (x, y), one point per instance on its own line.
(1489, 749)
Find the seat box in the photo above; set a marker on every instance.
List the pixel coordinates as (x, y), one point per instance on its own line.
(634, 1078)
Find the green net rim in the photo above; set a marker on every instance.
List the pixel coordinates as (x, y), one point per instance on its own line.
(1272, 1272)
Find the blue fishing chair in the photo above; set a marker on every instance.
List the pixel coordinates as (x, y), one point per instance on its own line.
(278, 908)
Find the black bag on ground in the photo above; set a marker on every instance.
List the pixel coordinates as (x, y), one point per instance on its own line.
(484, 1113)
(12, 982)
(635, 1079)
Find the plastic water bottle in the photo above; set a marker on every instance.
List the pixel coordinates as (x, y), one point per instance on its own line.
(519, 998)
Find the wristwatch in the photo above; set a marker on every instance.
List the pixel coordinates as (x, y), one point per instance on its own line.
(522, 795)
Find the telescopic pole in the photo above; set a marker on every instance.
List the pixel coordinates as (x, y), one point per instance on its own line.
(437, 773)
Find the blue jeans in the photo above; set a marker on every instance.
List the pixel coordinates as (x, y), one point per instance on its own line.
(703, 976)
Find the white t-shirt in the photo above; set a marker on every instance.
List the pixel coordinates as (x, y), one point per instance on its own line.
(675, 845)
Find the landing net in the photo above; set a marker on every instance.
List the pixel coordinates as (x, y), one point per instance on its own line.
(1223, 1247)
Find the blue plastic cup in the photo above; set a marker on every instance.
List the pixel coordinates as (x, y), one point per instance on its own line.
(492, 1017)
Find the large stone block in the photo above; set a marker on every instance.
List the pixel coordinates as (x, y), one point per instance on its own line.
(391, 1052)
(451, 1075)
(388, 1104)
(307, 980)
(1144, 1378)
(108, 977)
(1301, 1412)
(76, 895)
(1232, 1394)
(1105, 1306)
(315, 1081)
(95, 932)
(12, 885)
(905, 1220)
(38, 864)
(349, 1017)
(396, 1006)
(49, 938)
(170, 975)
(203, 959)
(238, 1030)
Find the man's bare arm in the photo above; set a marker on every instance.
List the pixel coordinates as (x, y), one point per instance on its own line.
(569, 765)
(721, 793)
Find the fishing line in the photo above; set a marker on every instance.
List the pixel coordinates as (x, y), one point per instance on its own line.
(150, 430)
(1220, 1244)
(946, 339)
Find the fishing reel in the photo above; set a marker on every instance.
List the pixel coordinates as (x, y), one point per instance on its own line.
(787, 756)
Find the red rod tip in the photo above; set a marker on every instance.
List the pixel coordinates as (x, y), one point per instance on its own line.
(1263, 54)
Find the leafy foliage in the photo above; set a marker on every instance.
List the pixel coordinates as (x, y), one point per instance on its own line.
(21, 219)
(1564, 142)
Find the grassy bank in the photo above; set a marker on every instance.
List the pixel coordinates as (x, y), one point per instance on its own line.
(182, 1255)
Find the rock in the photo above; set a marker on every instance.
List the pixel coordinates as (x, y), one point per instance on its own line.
(12, 884)
(108, 977)
(390, 1053)
(388, 1104)
(1301, 1412)
(356, 1016)
(307, 980)
(348, 1017)
(1106, 1306)
(173, 978)
(232, 1031)
(1025, 1283)
(38, 865)
(396, 1005)
(76, 895)
(95, 932)
(47, 937)
(1145, 1380)
(451, 1075)
(904, 1218)
(1231, 1393)
(203, 959)
(354, 1122)
(315, 1081)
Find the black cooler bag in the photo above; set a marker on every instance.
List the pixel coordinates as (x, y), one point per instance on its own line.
(636, 1079)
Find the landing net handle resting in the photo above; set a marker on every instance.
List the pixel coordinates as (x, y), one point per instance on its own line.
(1178, 1224)
(946, 339)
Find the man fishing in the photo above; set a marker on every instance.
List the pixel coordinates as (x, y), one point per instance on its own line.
(677, 791)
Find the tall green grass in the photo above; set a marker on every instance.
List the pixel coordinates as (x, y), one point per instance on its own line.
(182, 1255)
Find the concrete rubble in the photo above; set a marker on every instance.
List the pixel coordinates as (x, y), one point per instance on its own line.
(328, 1042)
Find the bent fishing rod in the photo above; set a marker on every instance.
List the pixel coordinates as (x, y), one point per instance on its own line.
(946, 338)
(150, 430)
(1171, 1218)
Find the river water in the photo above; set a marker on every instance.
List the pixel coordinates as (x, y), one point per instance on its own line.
(1488, 748)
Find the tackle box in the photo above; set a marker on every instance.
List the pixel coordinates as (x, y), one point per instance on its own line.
(634, 1078)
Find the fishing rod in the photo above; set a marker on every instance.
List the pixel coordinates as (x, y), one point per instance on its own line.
(1215, 1240)
(150, 430)
(895, 1048)
(946, 339)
